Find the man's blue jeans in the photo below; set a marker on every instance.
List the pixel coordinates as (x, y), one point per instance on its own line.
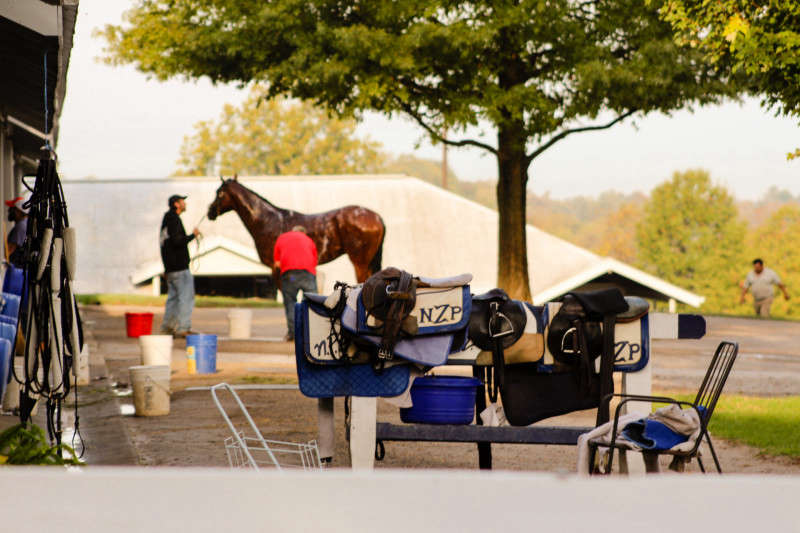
(180, 302)
(291, 283)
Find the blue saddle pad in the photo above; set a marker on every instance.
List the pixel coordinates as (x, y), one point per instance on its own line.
(442, 316)
(332, 380)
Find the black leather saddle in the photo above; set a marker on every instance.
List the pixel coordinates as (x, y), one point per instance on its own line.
(496, 322)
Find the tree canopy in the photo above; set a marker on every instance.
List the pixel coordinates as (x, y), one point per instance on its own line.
(777, 242)
(691, 235)
(759, 38)
(276, 136)
(536, 71)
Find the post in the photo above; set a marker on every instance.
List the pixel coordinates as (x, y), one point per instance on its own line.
(673, 306)
(444, 162)
(363, 417)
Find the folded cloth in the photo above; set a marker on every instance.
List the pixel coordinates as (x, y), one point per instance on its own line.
(665, 429)
(600, 434)
(677, 421)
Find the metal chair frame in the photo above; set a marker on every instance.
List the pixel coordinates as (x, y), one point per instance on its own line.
(707, 396)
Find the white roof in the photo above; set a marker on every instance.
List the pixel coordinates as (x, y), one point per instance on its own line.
(608, 265)
(214, 255)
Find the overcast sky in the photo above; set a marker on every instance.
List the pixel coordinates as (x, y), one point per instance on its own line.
(118, 124)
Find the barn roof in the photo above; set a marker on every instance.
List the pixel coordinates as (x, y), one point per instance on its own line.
(430, 232)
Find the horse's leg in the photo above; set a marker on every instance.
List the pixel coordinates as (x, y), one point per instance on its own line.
(361, 268)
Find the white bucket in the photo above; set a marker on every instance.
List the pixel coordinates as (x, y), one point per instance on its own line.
(11, 398)
(156, 349)
(240, 321)
(82, 367)
(150, 389)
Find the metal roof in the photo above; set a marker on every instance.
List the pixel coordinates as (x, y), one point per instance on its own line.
(35, 36)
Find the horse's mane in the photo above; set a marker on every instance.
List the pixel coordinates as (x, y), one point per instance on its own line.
(254, 193)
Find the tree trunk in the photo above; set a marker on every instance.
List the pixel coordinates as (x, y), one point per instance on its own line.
(512, 257)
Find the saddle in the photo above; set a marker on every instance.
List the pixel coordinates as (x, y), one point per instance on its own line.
(580, 332)
(389, 297)
(393, 320)
(496, 323)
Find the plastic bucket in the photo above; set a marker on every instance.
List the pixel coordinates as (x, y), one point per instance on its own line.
(201, 353)
(14, 280)
(11, 395)
(150, 389)
(10, 305)
(441, 400)
(156, 349)
(240, 321)
(138, 324)
(6, 352)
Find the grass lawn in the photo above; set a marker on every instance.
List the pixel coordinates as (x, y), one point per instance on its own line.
(200, 301)
(770, 424)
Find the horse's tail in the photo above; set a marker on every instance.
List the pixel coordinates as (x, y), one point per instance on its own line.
(375, 262)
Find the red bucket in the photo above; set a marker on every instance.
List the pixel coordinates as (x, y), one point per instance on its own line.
(139, 324)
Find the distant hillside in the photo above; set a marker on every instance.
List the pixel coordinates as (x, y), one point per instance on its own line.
(605, 224)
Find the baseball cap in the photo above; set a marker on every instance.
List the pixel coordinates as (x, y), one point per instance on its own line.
(174, 198)
(18, 202)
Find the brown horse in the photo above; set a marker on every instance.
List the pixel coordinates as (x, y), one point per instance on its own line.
(352, 230)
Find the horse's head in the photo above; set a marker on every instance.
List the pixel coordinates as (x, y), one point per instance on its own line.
(223, 202)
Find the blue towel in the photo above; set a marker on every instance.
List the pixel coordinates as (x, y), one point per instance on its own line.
(652, 435)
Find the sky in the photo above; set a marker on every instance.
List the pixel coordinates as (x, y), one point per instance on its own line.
(116, 123)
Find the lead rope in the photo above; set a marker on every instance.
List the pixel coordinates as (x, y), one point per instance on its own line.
(193, 266)
(53, 329)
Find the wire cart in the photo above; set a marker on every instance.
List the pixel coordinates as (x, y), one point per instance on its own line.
(255, 451)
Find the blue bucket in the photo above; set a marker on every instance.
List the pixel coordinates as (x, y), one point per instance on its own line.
(5, 365)
(10, 305)
(441, 400)
(14, 280)
(204, 350)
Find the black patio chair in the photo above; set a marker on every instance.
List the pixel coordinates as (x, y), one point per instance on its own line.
(704, 404)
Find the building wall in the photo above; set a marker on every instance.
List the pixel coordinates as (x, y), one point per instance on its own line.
(429, 231)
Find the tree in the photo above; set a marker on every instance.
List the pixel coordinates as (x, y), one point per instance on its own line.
(691, 235)
(759, 38)
(536, 71)
(777, 242)
(428, 170)
(276, 136)
(617, 233)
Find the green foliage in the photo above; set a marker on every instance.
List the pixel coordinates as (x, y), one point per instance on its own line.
(536, 71)
(777, 242)
(276, 137)
(770, 424)
(761, 39)
(27, 445)
(429, 170)
(605, 224)
(691, 236)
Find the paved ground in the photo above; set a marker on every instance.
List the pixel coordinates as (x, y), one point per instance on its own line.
(192, 434)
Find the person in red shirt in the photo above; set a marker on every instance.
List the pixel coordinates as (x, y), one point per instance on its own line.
(295, 258)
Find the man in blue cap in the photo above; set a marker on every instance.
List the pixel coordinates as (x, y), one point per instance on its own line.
(180, 284)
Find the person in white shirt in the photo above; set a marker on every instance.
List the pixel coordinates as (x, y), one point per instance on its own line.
(760, 281)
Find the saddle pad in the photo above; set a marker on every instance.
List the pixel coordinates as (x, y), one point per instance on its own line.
(313, 326)
(427, 350)
(631, 343)
(329, 381)
(529, 348)
(437, 310)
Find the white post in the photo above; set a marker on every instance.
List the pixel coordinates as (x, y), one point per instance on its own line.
(636, 383)
(156, 286)
(363, 417)
(325, 421)
(673, 306)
